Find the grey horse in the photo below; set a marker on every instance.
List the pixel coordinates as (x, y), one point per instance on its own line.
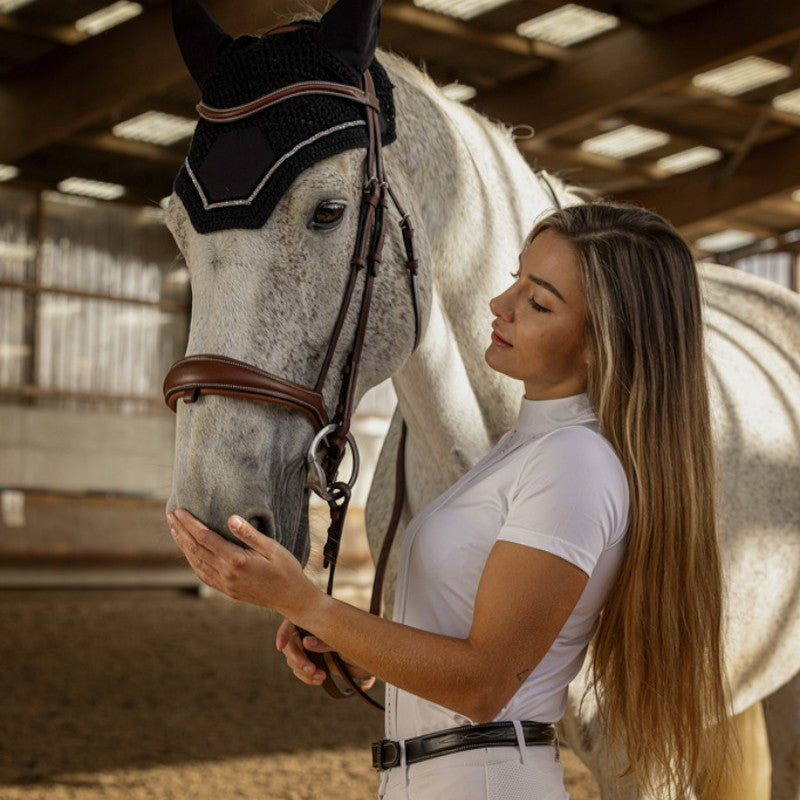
(268, 295)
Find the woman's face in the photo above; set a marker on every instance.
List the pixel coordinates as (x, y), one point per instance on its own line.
(538, 331)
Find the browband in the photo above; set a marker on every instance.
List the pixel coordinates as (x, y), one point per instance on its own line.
(235, 113)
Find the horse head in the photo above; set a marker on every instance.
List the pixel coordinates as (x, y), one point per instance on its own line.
(267, 209)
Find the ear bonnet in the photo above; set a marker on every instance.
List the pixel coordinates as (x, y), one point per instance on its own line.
(237, 171)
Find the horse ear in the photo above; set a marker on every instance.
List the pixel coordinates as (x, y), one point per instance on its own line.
(199, 36)
(350, 31)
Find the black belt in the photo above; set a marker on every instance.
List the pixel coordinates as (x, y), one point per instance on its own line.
(386, 753)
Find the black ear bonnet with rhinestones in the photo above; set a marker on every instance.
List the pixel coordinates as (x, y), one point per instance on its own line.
(236, 172)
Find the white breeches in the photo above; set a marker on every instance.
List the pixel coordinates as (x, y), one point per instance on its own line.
(493, 773)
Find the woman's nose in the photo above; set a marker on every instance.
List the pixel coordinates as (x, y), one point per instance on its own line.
(501, 306)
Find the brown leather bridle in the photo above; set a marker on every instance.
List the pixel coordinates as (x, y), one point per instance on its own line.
(198, 375)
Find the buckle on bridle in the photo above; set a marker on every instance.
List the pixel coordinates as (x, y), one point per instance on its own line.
(317, 480)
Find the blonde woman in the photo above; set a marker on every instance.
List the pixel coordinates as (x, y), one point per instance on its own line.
(592, 518)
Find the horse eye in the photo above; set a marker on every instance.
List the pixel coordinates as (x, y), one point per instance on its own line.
(328, 214)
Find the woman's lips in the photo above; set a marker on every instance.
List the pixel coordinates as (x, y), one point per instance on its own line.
(499, 340)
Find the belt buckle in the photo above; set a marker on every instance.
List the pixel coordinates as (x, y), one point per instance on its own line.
(385, 754)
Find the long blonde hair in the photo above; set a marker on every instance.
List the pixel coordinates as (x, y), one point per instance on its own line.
(656, 658)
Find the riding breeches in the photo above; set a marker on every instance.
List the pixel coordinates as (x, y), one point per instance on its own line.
(496, 773)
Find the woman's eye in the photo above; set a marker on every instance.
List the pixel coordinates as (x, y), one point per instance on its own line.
(536, 306)
(328, 214)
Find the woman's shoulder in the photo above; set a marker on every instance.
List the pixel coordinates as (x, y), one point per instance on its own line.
(571, 486)
(579, 451)
(584, 440)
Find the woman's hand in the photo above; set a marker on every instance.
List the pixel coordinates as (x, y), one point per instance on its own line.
(263, 573)
(296, 650)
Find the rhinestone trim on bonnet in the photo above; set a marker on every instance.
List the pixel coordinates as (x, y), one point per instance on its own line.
(246, 201)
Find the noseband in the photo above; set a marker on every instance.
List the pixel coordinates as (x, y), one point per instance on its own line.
(198, 375)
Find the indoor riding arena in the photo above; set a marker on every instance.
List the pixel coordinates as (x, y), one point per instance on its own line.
(124, 676)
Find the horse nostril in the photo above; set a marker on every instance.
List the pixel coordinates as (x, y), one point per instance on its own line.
(263, 523)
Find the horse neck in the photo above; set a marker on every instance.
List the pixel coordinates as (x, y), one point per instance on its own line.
(473, 199)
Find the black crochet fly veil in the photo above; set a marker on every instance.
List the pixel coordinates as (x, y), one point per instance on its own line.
(236, 172)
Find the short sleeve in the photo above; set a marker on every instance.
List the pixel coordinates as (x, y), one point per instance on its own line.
(570, 498)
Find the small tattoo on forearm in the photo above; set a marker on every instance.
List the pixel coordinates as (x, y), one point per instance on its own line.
(524, 674)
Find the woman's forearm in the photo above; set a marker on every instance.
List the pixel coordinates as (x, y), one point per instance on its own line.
(446, 670)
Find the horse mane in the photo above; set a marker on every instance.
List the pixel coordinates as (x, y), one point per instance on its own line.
(569, 193)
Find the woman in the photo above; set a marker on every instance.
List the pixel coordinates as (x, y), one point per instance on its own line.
(599, 500)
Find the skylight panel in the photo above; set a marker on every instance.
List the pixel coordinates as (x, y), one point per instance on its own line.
(625, 142)
(108, 17)
(462, 92)
(723, 241)
(8, 173)
(7, 6)
(100, 190)
(789, 102)
(741, 76)
(687, 160)
(156, 128)
(461, 9)
(567, 25)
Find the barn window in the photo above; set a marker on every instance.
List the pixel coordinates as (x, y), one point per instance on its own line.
(93, 301)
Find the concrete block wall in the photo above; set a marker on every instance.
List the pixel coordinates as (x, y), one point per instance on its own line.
(84, 484)
(78, 451)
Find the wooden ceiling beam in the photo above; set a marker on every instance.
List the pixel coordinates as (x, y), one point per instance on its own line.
(129, 148)
(768, 169)
(58, 34)
(632, 62)
(785, 205)
(727, 143)
(533, 148)
(80, 84)
(166, 105)
(760, 231)
(737, 106)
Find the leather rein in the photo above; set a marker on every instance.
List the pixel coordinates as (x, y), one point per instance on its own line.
(203, 374)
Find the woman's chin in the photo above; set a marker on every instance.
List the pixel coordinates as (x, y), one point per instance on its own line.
(491, 358)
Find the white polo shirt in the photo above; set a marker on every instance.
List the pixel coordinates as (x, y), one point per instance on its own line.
(553, 483)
